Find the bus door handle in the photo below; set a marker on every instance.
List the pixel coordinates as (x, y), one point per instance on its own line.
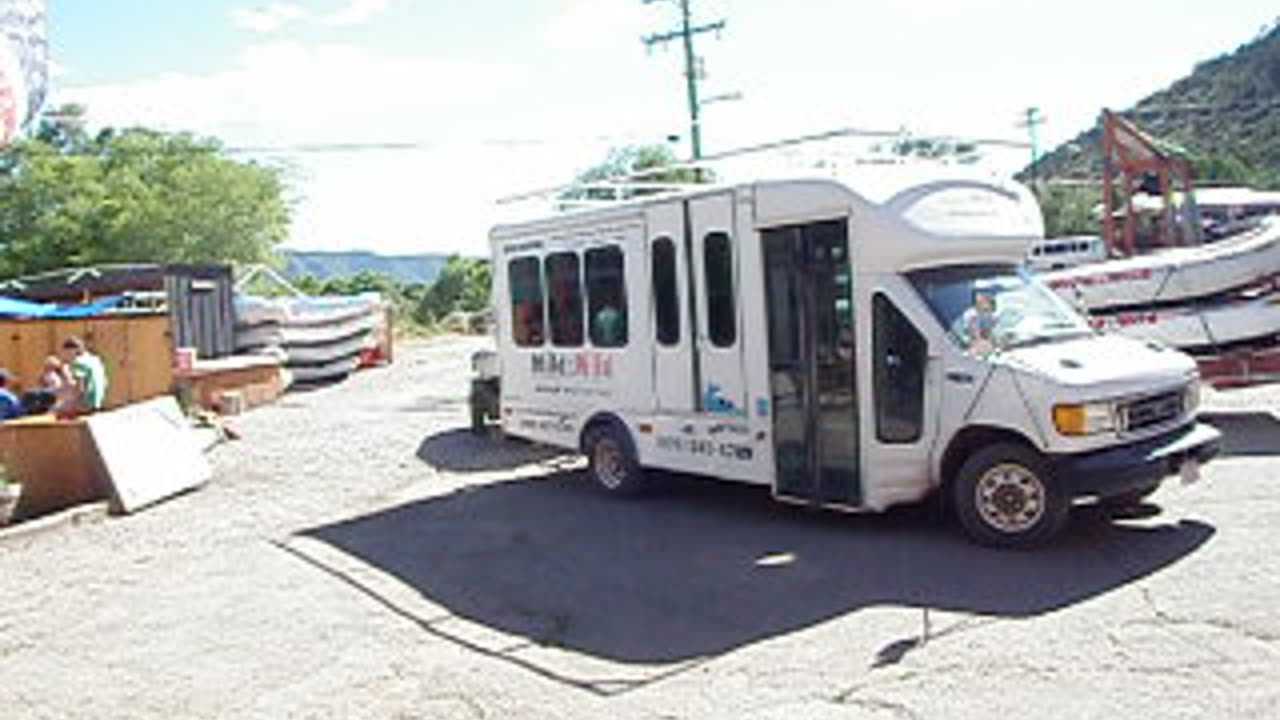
(962, 378)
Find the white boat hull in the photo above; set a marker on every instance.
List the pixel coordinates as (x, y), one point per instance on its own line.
(251, 310)
(1171, 276)
(290, 334)
(332, 370)
(1243, 320)
(319, 339)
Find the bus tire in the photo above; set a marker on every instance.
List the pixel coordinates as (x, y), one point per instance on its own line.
(611, 461)
(1005, 496)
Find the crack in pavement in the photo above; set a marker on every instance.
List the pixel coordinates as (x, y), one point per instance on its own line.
(898, 709)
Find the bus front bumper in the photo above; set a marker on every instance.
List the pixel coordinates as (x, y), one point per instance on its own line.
(1136, 466)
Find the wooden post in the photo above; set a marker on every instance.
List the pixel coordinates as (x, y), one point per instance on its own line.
(1166, 209)
(1108, 184)
(1130, 224)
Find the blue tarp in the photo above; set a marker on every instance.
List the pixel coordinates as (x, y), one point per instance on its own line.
(82, 311)
(13, 307)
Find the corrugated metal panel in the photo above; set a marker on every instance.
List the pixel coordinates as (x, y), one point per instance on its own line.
(200, 302)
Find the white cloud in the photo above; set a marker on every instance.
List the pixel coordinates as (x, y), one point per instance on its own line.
(282, 94)
(284, 91)
(268, 19)
(594, 25)
(580, 81)
(356, 12)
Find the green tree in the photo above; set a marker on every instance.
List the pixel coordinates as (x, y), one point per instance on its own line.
(629, 164)
(962, 151)
(1225, 168)
(133, 196)
(1068, 209)
(463, 284)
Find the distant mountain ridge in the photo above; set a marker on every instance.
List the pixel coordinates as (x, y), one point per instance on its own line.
(1228, 107)
(404, 269)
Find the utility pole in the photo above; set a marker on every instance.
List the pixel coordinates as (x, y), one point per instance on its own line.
(685, 34)
(1032, 120)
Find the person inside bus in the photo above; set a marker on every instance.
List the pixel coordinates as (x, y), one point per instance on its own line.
(978, 324)
(610, 326)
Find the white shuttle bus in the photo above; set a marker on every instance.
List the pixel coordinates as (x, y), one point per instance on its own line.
(844, 348)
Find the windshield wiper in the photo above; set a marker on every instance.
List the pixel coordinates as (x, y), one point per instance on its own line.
(1043, 339)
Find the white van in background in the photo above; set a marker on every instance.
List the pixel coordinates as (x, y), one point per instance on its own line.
(845, 350)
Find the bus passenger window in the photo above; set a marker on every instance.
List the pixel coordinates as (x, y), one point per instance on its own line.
(524, 276)
(722, 313)
(666, 299)
(606, 297)
(900, 354)
(564, 299)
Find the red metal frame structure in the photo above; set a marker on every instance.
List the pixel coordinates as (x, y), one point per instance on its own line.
(1128, 157)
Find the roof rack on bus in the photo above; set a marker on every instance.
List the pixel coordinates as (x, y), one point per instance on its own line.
(631, 185)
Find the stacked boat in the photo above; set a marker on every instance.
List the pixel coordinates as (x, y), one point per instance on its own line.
(1204, 299)
(319, 339)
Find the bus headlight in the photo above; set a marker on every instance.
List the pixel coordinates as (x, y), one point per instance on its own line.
(1084, 419)
(1191, 397)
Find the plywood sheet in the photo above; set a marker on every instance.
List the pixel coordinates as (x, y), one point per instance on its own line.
(111, 343)
(149, 452)
(150, 357)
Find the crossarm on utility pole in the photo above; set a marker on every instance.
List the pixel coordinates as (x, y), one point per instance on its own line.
(685, 34)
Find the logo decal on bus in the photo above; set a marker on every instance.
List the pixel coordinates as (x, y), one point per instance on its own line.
(716, 404)
(591, 365)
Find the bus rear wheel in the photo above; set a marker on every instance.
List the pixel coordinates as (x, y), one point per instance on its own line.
(611, 461)
(1004, 496)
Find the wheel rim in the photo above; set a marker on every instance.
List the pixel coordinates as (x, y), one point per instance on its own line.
(609, 464)
(1010, 498)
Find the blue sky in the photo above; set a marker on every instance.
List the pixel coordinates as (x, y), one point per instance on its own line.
(512, 94)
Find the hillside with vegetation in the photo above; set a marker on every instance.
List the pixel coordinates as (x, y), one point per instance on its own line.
(405, 269)
(1225, 114)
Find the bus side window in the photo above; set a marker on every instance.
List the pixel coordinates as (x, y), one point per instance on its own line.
(524, 277)
(900, 353)
(722, 313)
(564, 299)
(607, 297)
(666, 300)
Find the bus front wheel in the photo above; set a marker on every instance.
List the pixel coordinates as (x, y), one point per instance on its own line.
(1004, 496)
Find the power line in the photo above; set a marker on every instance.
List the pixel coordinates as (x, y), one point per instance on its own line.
(343, 147)
(692, 65)
(848, 132)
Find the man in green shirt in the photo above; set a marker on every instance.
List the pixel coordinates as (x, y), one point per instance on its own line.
(89, 373)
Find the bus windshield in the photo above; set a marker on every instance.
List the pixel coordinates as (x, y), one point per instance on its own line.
(990, 308)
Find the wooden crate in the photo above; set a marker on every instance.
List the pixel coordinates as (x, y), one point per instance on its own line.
(258, 379)
(56, 462)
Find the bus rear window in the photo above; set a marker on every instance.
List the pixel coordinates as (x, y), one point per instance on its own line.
(606, 297)
(524, 276)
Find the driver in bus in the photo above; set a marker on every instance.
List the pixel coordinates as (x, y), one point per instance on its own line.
(978, 324)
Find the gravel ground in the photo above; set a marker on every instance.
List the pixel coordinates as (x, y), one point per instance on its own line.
(360, 555)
